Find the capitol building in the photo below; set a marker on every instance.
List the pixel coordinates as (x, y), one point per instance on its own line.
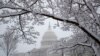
(48, 40)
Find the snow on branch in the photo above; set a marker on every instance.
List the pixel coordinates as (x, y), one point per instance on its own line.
(93, 11)
(14, 14)
(86, 30)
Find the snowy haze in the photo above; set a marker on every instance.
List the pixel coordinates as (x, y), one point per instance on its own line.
(43, 28)
(23, 47)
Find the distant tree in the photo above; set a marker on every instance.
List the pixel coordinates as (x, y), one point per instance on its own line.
(9, 43)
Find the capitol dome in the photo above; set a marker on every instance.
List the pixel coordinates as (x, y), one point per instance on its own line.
(49, 37)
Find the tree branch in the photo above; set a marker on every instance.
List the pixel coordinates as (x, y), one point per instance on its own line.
(86, 30)
(9, 6)
(33, 3)
(14, 14)
(93, 11)
(21, 28)
(23, 33)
